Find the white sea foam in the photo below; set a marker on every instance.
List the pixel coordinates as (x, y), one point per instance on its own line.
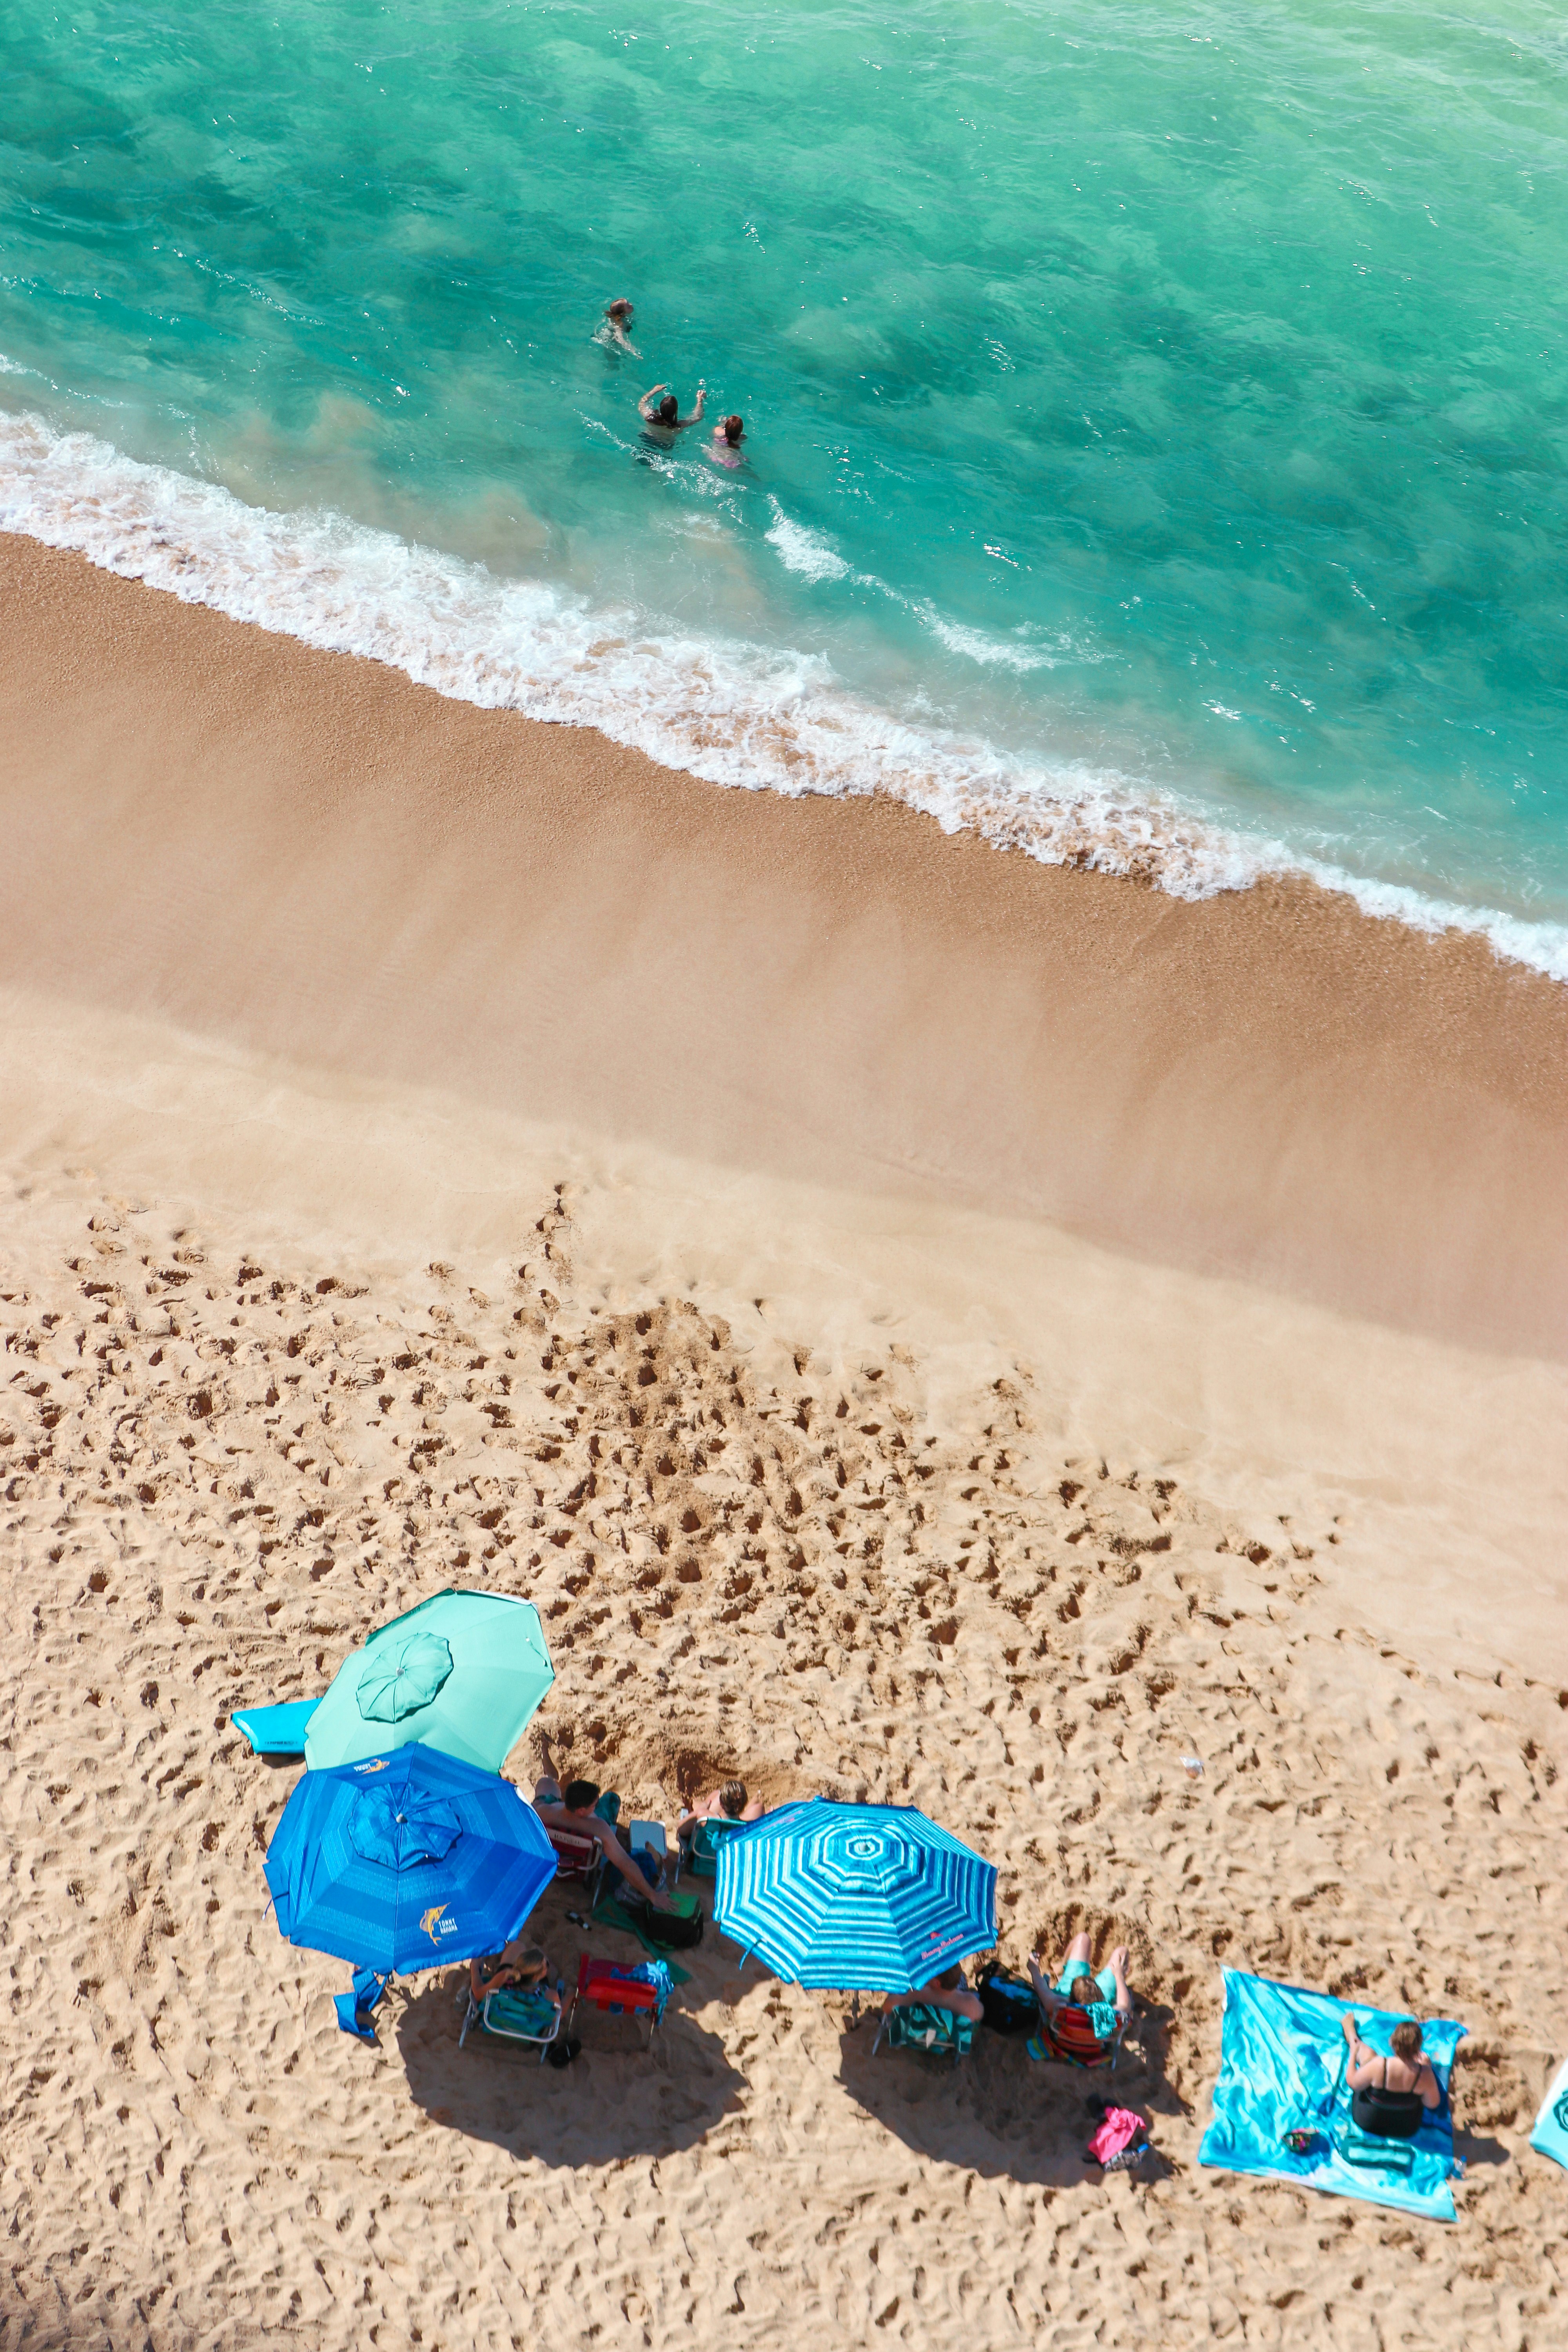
(1021, 653)
(803, 550)
(731, 712)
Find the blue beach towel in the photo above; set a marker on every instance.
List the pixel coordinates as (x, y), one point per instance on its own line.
(275, 1730)
(1282, 2069)
(1550, 2136)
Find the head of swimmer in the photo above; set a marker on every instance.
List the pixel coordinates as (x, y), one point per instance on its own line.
(668, 409)
(732, 429)
(620, 310)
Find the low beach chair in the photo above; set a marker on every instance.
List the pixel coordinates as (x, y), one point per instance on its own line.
(512, 2015)
(1066, 2035)
(648, 1837)
(578, 1856)
(274, 1731)
(942, 2032)
(640, 1992)
(699, 1852)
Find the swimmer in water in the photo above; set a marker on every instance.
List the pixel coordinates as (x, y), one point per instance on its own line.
(616, 331)
(725, 446)
(661, 416)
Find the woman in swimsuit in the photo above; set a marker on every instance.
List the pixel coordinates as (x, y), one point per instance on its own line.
(725, 446)
(1406, 2069)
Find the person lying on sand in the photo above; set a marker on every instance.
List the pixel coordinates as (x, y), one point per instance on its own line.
(616, 329)
(518, 1967)
(730, 1803)
(571, 1809)
(725, 446)
(664, 421)
(1407, 2069)
(1102, 1996)
(949, 1990)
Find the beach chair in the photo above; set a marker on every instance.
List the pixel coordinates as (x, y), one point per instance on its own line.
(941, 2032)
(512, 2015)
(274, 1731)
(648, 1837)
(1067, 2036)
(699, 1852)
(640, 1992)
(580, 1857)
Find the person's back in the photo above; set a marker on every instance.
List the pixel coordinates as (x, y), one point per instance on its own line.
(1391, 2090)
(661, 416)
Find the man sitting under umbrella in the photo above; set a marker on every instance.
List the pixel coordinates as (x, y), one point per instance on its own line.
(571, 1809)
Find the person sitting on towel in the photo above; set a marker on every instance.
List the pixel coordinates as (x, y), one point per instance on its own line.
(571, 1809)
(1083, 2008)
(730, 1803)
(1406, 2072)
(949, 1990)
(518, 1967)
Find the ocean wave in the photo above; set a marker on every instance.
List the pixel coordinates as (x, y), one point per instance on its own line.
(731, 712)
(1020, 654)
(802, 550)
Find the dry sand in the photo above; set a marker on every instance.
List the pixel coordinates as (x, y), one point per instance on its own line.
(355, 1241)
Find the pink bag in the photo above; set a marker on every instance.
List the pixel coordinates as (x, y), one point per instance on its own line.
(1121, 2129)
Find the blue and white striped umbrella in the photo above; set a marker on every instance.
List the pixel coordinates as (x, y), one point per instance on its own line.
(407, 1861)
(870, 1898)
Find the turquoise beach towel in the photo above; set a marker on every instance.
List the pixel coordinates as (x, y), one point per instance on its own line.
(1282, 2069)
(1550, 2136)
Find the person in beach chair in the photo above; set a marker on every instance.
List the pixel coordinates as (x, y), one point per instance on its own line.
(509, 1994)
(1085, 2014)
(573, 1810)
(701, 1832)
(938, 2016)
(1391, 2092)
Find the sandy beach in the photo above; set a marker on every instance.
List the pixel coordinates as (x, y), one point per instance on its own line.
(920, 1325)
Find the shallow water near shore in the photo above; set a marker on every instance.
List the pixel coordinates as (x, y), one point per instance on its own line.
(1155, 425)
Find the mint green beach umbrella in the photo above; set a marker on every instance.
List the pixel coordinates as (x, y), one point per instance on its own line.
(465, 1672)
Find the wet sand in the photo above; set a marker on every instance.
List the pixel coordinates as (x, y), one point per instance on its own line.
(309, 854)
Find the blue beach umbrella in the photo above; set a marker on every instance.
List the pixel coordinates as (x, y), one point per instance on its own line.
(869, 1898)
(465, 1672)
(407, 1861)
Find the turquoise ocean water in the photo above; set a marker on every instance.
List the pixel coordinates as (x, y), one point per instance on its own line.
(1157, 418)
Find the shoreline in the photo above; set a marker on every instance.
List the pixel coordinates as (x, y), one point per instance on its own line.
(305, 852)
(732, 714)
(438, 1147)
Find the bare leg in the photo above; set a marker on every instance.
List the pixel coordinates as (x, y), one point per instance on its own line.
(1080, 1948)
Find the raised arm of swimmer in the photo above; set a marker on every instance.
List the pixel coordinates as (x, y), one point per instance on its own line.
(659, 408)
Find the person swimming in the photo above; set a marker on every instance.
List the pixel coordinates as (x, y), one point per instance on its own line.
(615, 328)
(725, 446)
(661, 416)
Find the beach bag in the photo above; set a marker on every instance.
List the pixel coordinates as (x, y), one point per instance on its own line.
(1120, 2141)
(1006, 2001)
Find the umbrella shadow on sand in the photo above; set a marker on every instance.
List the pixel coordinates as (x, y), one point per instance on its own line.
(996, 2111)
(618, 2098)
